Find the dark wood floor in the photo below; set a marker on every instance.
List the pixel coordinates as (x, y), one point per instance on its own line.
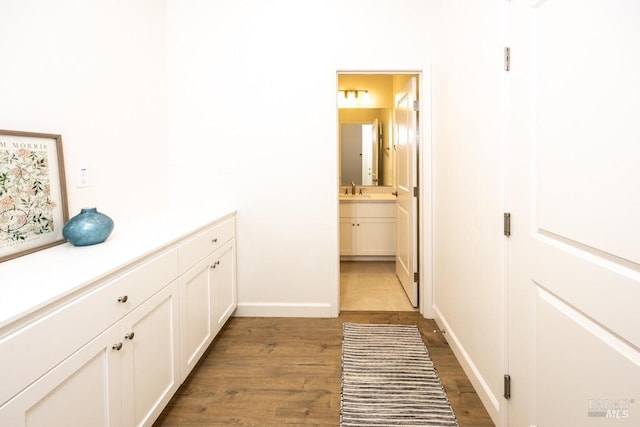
(286, 372)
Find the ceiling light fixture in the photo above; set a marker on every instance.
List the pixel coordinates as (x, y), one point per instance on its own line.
(354, 94)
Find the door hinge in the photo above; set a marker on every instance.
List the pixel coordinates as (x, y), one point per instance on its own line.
(416, 277)
(507, 224)
(507, 386)
(416, 105)
(507, 59)
(416, 191)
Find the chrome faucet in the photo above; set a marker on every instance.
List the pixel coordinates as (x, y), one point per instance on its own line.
(353, 188)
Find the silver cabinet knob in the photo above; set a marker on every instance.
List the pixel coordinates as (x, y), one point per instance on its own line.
(214, 240)
(117, 346)
(130, 336)
(123, 298)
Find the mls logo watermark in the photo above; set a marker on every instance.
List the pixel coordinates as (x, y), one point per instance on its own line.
(610, 408)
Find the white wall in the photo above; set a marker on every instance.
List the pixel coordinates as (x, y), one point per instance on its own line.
(253, 121)
(469, 192)
(94, 72)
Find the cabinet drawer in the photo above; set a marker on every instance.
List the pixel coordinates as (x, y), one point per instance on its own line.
(136, 286)
(347, 210)
(192, 251)
(43, 344)
(375, 210)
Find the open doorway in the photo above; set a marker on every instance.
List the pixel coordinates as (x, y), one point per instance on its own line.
(378, 168)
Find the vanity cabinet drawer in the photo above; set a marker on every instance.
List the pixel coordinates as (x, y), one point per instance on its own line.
(194, 250)
(375, 210)
(347, 210)
(43, 344)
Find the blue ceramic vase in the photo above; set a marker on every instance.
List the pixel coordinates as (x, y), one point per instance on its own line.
(89, 227)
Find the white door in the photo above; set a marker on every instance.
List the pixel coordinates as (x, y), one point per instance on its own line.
(406, 180)
(574, 280)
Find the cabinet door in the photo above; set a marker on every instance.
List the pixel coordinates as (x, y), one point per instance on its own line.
(347, 236)
(84, 390)
(376, 236)
(196, 313)
(151, 368)
(224, 283)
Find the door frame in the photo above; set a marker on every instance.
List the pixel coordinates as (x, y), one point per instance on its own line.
(425, 186)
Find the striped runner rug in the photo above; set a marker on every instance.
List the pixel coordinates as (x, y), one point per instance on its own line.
(388, 379)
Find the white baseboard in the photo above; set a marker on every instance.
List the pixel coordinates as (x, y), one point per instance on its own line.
(283, 310)
(489, 400)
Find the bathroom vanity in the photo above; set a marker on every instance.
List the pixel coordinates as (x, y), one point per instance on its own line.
(367, 226)
(104, 335)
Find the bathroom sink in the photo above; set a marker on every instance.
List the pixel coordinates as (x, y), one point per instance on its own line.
(355, 196)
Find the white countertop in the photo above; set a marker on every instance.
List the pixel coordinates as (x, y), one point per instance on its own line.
(368, 198)
(37, 281)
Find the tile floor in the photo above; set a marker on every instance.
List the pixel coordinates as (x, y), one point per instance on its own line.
(371, 286)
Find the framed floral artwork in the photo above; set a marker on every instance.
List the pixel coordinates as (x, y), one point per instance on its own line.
(33, 197)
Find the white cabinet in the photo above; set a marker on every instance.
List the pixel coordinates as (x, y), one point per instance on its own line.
(224, 281)
(47, 340)
(207, 290)
(348, 236)
(84, 390)
(115, 353)
(196, 314)
(150, 357)
(125, 376)
(367, 229)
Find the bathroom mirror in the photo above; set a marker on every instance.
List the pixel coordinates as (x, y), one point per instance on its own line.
(364, 160)
(359, 153)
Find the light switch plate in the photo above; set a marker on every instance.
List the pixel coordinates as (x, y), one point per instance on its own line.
(83, 177)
